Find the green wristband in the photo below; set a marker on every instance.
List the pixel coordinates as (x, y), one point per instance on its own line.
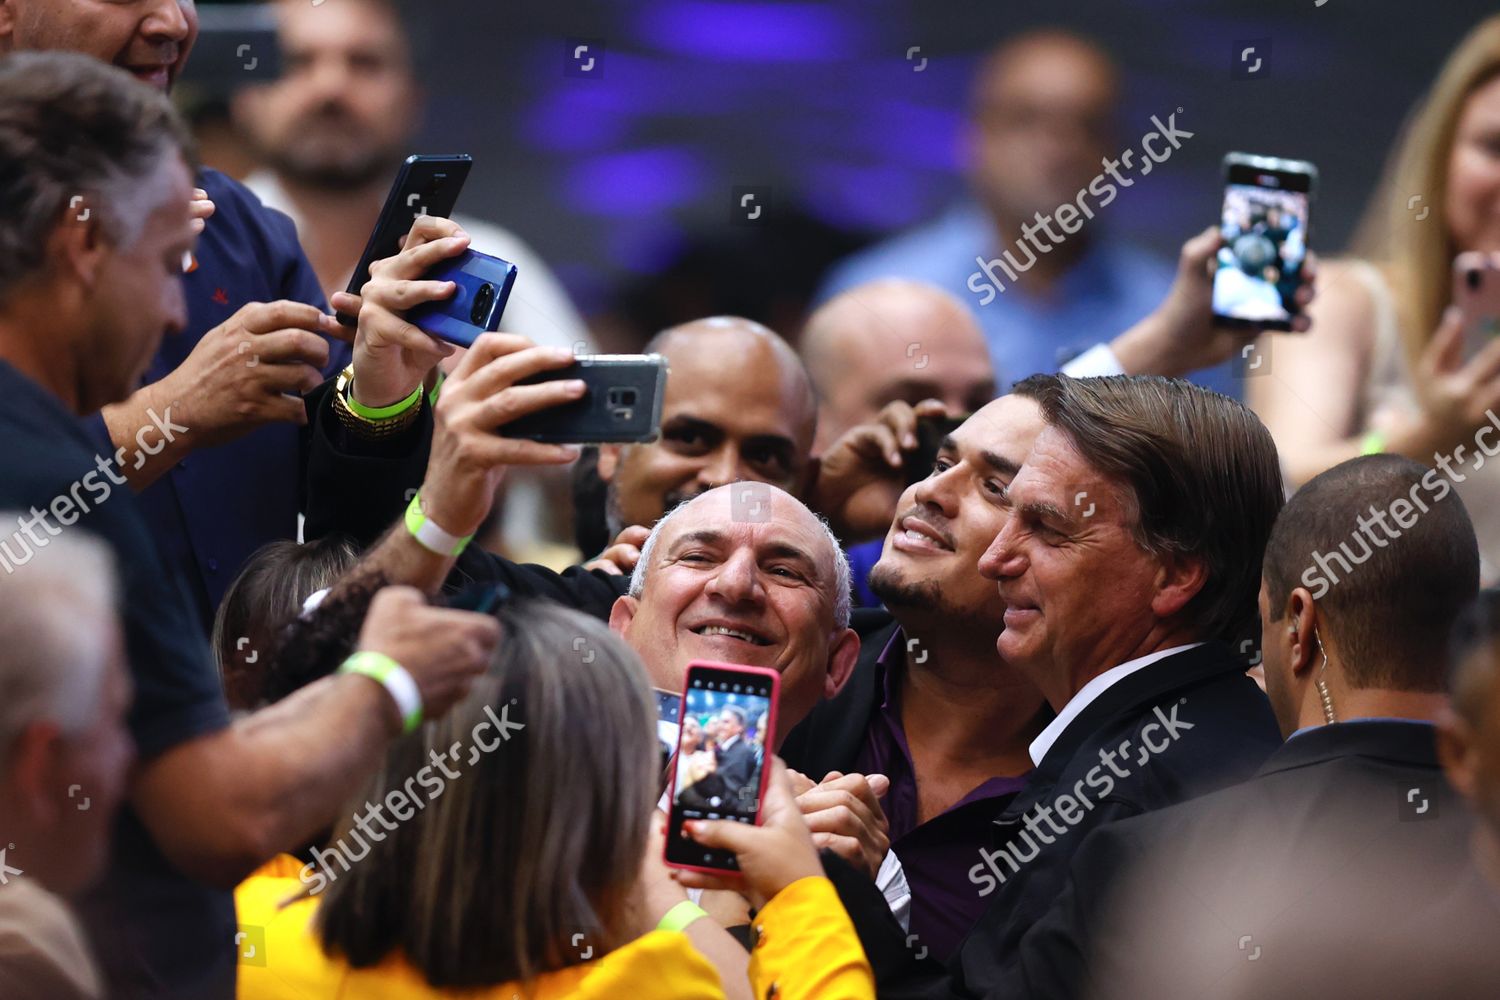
(393, 677)
(437, 387)
(679, 916)
(1372, 443)
(382, 412)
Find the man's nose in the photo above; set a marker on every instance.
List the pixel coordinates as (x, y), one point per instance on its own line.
(736, 581)
(721, 469)
(1002, 559)
(166, 19)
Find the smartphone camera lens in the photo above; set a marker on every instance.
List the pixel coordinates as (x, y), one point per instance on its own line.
(484, 300)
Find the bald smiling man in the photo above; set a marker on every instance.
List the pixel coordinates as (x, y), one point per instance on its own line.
(738, 406)
(889, 340)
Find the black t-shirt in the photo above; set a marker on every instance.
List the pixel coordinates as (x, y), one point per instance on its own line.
(157, 933)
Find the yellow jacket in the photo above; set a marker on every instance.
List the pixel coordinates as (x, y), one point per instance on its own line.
(806, 948)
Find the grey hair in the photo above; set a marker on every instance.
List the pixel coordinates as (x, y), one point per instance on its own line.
(78, 140)
(51, 608)
(841, 572)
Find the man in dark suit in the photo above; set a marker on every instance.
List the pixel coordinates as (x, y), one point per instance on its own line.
(1345, 830)
(1128, 566)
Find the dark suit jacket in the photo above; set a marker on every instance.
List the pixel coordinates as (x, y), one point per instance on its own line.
(831, 736)
(1183, 726)
(1344, 831)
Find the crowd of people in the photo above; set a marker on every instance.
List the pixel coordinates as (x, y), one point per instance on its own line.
(1094, 680)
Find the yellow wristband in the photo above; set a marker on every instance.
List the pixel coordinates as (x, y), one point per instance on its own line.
(393, 677)
(679, 916)
(382, 412)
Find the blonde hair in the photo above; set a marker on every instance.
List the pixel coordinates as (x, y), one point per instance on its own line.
(1417, 255)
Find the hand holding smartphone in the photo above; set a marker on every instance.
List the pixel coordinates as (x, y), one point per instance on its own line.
(727, 735)
(482, 287)
(425, 185)
(622, 402)
(1265, 225)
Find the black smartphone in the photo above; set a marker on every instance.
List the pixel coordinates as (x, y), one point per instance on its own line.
(931, 431)
(425, 185)
(1265, 223)
(621, 406)
(728, 733)
(483, 285)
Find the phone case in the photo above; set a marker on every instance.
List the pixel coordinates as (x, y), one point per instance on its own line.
(1476, 292)
(765, 770)
(622, 404)
(477, 303)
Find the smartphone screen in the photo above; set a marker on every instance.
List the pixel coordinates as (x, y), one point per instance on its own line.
(1265, 227)
(728, 715)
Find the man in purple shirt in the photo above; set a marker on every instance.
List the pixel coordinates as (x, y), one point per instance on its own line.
(930, 705)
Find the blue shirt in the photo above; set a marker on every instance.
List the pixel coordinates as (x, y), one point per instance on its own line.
(212, 510)
(1109, 289)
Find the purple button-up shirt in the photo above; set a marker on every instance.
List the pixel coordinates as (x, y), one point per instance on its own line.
(937, 854)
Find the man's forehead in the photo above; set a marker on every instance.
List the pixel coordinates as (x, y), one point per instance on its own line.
(1008, 426)
(748, 514)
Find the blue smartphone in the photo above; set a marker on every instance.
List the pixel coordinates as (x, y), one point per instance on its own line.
(476, 305)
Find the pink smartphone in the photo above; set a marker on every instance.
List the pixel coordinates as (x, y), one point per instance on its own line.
(726, 737)
(1476, 292)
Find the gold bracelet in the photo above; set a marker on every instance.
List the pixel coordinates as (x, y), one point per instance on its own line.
(371, 428)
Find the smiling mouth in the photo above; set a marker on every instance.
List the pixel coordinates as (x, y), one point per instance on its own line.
(733, 633)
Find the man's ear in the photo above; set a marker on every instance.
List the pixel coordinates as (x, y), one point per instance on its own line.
(7, 26)
(843, 653)
(77, 242)
(609, 461)
(1457, 751)
(34, 761)
(1301, 613)
(622, 613)
(1179, 578)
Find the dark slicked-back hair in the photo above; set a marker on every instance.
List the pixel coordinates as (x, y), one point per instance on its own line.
(1474, 656)
(76, 136)
(1200, 469)
(1391, 614)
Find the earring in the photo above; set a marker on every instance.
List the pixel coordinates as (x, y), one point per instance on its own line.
(1322, 682)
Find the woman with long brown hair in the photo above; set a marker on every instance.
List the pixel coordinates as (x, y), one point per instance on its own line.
(1383, 368)
(497, 854)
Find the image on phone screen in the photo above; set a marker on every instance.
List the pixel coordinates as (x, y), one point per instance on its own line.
(721, 755)
(1265, 244)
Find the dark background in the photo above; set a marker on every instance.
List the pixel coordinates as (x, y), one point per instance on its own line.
(616, 173)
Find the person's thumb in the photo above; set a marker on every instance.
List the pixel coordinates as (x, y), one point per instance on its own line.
(879, 784)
